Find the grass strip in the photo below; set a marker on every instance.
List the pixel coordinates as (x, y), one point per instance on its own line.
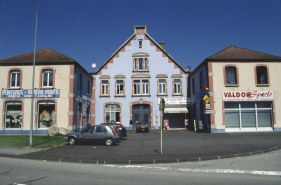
(37, 141)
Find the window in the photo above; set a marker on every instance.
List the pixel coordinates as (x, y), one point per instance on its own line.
(80, 81)
(230, 75)
(104, 87)
(141, 87)
(46, 111)
(140, 64)
(112, 113)
(162, 86)
(47, 78)
(177, 86)
(14, 115)
(262, 75)
(201, 79)
(248, 115)
(119, 87)
(136, 87)
(15, 79)
(140, 43)
(88, 87)
(193, 85)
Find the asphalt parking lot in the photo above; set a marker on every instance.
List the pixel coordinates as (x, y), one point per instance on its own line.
(178, 146)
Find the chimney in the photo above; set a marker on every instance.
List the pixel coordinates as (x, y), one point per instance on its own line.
(162, 44)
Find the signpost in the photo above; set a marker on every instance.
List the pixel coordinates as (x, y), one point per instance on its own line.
(162, 107)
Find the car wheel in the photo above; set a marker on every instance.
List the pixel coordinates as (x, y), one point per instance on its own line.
(72, 141)
(108, 142)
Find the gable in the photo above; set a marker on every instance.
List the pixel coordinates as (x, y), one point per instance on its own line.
(134, 37)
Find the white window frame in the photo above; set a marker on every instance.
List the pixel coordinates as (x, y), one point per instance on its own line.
(138, 86)
(177, 86)
(104, 88)
(163, 86)
(136, 63)
(118, 87)
(143, 87)
(38, 119)
(48, 72)
(13, 103)
(115, 109)
(17, 75)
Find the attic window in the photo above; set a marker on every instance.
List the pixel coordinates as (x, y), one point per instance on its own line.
(140, 43)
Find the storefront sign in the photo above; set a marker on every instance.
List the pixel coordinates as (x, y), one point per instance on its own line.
(171, 101)
(247, 95)
(26, 93)
(207, 111)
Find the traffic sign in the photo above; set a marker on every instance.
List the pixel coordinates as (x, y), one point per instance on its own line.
(206, 99)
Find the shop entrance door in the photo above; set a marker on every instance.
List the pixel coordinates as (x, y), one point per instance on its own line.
(141, 113)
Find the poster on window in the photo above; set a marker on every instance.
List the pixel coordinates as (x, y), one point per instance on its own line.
(247, 96)
(166, 124)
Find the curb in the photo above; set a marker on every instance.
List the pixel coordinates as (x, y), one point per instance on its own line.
(130, 162)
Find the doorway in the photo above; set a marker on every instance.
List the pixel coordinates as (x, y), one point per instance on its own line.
(141, 112)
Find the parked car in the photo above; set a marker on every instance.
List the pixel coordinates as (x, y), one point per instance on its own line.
(103, 133)
(119, 127)
(142, 126)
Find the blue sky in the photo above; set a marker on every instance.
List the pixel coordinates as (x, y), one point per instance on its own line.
(91, 30)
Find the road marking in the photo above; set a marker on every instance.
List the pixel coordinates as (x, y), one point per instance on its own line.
(223, 171)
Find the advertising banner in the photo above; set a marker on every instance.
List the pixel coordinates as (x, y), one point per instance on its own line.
(26, 93)
(247, 96)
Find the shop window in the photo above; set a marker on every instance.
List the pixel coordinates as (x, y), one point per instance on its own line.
(15, 79)
(119, 87)
(13, 115)
(177, 86)
(47, 78)
(46, 111)
(162, 86)
(141, 87)
(112, 113)
(262, 75)
(230, 75)
(104, 87)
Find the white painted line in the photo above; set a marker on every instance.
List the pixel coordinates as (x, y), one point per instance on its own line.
(223, 171)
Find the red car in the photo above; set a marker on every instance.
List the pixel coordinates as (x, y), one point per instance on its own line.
(142, 126)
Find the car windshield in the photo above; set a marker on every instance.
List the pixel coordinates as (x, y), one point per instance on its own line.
(142, 123)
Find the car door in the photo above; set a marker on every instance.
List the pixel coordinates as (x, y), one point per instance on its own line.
(100, 133)
(87, 133)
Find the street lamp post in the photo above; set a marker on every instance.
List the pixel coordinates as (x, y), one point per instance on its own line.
(32, 92)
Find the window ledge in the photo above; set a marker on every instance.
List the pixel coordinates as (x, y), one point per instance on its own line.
(104, 96)
(231, 85)
(143, 71)
(120, 96)
(262, 85)
(158, 95)
(46, 88)
(138, 95)
(177, 95)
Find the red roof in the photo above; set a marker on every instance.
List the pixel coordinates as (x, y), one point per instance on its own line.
(43, 55)
(234, 52)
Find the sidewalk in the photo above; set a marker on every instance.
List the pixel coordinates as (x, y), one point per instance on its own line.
(141, 148)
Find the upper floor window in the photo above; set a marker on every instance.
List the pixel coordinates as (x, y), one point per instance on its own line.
(177, 86)
(47, 78)
(119, 87)
(141, 87)
(140, 64)
(15, 79)
(104, 87)
(80, 81)
(162, 86)
(193, 85)
(230, 75)
(201, 79)
(140, 43)
(88, 87)
(262, 75)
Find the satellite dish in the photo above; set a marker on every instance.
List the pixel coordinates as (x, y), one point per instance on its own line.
(94, 65)
(188, 68)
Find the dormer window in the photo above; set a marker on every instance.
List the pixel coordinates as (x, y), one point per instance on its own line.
(140, 43)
